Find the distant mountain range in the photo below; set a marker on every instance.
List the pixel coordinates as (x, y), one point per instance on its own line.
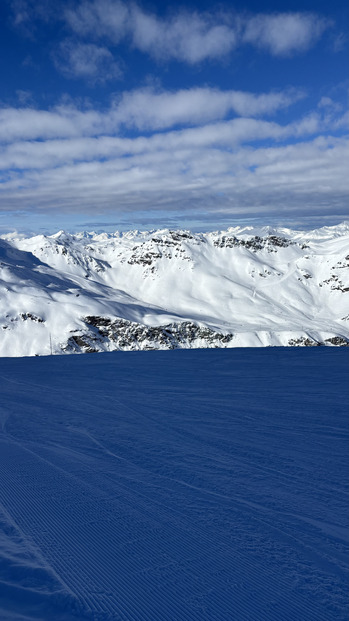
(165, 289)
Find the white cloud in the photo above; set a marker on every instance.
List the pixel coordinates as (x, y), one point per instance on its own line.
(50, 153)
(149, 109)
(21, 13)
(35, 139)
(78, 163)
(339, 42)
(26, 14)
(144, 109)
(189, 37)
(193, 37)
(221, 150)
(31, 124)
(24, 97)
(86, 60)
(329, 104)
(284, 34)
(100, 18)
(245, 180)
(225, 136)
(186, 37)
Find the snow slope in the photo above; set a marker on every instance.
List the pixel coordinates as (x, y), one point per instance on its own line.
(174, 486)
(167, 289)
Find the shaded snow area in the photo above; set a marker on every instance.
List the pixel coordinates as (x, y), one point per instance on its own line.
(168, 289)
(175, 486)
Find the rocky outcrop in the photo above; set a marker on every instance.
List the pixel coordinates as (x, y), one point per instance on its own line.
(103, 333)
(271, 243)
(335, 283)
(31, 317)
(339, 341)
(106, 334)
(166, 246)
(305, 341)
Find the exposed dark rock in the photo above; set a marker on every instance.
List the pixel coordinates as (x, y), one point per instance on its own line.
(279, 242)
(127, 335)
(167, 247)
(303, 342)
(94, 320)
(336, 284)
(104, 333)
(338, 341)
(32, 317)
(271, 242)
(144, 258)
(77, 343)
(180, 235)
(226, 242)
(341, 265)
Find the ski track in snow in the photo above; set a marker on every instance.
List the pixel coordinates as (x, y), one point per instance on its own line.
(167, 486)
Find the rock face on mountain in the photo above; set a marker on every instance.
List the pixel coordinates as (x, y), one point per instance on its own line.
(130, 336)
(271, 242)
(166, 289)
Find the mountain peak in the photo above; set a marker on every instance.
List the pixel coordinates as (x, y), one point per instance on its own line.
(245, 286)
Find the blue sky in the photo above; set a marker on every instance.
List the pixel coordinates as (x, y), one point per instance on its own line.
(118, 115)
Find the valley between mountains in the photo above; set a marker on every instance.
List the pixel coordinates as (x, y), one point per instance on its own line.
(245, 287)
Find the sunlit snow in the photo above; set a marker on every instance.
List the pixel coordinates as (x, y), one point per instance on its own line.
(247, 287)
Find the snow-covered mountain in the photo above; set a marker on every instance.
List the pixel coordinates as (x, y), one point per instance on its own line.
(163, 289)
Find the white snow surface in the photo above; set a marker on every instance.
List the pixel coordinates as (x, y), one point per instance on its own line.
(263, 286)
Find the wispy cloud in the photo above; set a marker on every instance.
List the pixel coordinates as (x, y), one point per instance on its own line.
(31, 124)
(145, 109)
(225, 136)
(285, 34)
(80, 164)
(102, 18)
(192, 37)
(21, 12)
(245, 181)
(199, 149)
(25, 14)
(151, 109)
(187, 37)
(86, 60)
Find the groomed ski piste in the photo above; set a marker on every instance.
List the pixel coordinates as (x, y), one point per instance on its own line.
(175, 486)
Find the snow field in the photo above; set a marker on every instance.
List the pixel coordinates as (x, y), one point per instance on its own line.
(167, 486)
(264, 287)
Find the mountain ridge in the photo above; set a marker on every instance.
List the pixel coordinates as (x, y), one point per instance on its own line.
(166, 288)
